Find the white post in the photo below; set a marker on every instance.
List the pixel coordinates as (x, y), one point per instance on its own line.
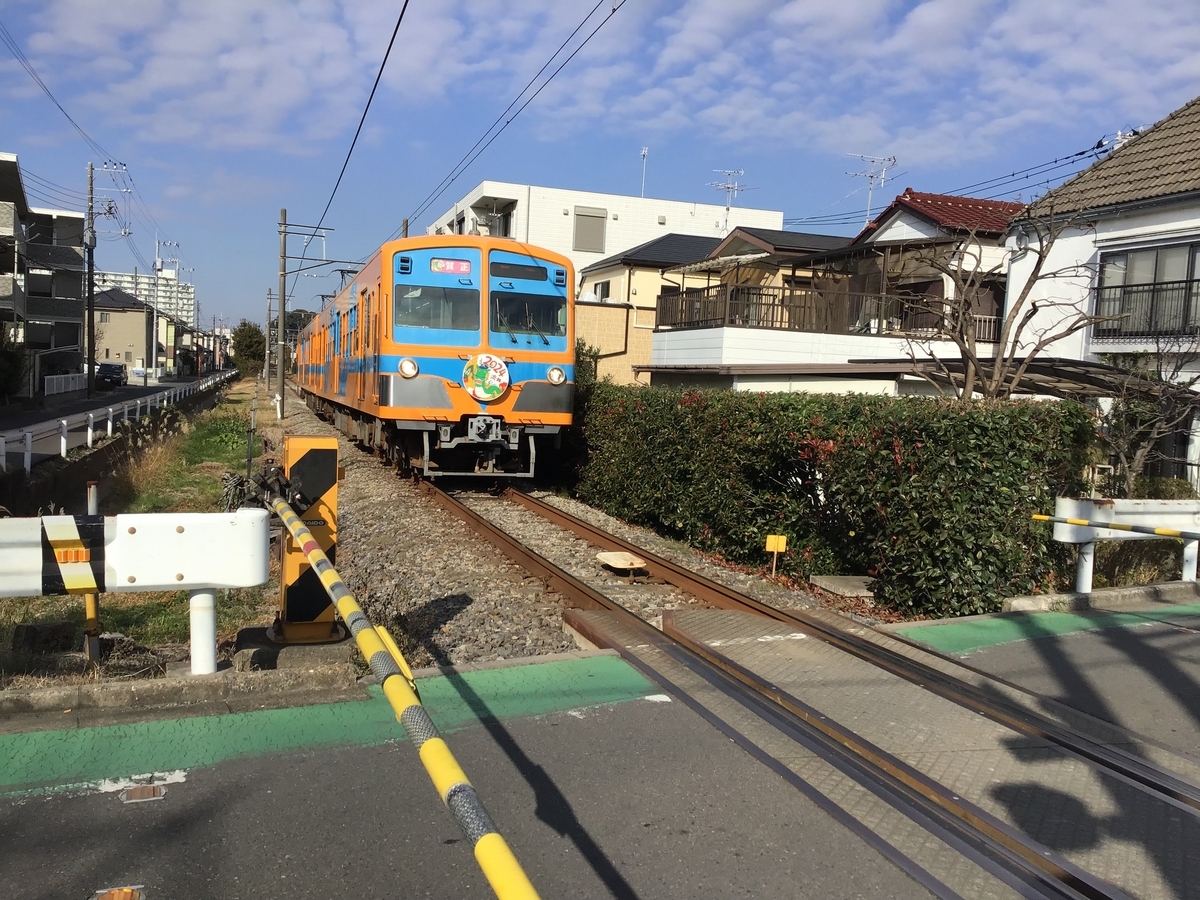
(62, 438)
(91, 428)
(1190, 553)
(204, 631)
(137, 409)
(1083, 568)
(110, 421)
(28, 462)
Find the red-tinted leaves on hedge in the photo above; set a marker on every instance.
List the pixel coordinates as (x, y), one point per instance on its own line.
(933, 498)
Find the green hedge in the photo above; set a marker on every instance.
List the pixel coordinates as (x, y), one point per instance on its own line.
(932, 498)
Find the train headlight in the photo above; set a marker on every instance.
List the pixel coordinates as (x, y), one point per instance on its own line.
(408, 368)
(556, 375)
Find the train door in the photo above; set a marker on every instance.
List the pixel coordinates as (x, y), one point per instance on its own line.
(373, 342)
(360, 342)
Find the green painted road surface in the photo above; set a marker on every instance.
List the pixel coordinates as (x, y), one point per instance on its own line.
(965, 637)
(76, 759)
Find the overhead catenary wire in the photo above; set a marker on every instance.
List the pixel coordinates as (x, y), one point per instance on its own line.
(1021, 177)
(443, 183)
(363, 118)
(462, 167)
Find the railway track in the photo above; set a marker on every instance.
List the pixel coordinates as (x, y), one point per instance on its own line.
(1025, 866)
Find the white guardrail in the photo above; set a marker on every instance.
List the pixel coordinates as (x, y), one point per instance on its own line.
(103, 417)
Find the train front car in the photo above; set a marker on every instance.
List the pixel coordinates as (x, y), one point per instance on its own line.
(479, 368)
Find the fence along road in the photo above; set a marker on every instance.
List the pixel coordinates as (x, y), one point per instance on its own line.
(23, 448)
(496, 859)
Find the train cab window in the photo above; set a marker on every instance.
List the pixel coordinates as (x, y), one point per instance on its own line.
(537, 314)
(422, 306)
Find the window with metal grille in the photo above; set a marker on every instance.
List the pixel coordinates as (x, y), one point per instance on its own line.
(589, 229)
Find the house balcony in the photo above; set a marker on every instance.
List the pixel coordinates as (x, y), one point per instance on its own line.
(809, 311)
(1148, 314)
(12, 297)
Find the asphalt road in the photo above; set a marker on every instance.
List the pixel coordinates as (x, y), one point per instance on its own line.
(1145, 677)
(636, 800)
(48, 447)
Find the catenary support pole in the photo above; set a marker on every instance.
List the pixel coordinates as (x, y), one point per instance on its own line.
(89, 241)
(281, 337)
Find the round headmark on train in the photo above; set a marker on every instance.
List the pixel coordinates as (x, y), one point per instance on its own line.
(485, 376)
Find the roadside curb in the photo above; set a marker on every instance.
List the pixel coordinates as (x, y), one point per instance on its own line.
(178, 690)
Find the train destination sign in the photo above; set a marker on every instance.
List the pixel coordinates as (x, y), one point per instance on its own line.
(450, 266)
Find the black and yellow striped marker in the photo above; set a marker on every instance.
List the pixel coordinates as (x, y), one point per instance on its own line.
(1121, 526)
(310, 464)
(495, 857)
(72, 554)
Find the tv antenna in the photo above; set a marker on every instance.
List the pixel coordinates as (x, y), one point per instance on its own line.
(645, 150)
(731, 188)
(885, 163)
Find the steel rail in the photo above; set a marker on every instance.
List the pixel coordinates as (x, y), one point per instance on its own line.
(495, 858)
(1115, 761)
(989, 841)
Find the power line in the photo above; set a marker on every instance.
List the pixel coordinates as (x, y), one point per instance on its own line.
(462, 167)
(499, 118)
(357, 132)
(14, 48)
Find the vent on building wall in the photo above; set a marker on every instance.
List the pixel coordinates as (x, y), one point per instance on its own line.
(405, 265)
(662, 220)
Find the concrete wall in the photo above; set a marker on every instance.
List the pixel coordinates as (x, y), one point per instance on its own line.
(546, 217)
(1076, 254)
(623, 334)
(744, 346)
(124, 332)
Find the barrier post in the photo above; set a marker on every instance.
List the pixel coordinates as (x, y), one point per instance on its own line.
(1191, 550)
(1083, 568)
(91, 429)
(91, 600)
(110, 421)
(203, 616)
(62, 438)
(137, 409)
(3, 455)
(28, 461)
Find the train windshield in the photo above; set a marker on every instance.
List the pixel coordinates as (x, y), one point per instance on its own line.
(422, 306)
(540, 315)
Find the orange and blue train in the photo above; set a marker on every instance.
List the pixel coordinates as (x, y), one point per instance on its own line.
(448, 354)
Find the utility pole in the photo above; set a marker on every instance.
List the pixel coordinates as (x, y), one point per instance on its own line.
(404, 228)
(89, 241)
(267, 345)
(279, 362)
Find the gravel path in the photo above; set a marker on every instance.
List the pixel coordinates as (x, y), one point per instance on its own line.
(447, 596)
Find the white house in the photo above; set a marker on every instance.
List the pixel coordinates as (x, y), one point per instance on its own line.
(812, 312)
(586, 226)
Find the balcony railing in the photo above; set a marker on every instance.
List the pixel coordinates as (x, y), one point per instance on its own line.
(820, 312)
(1134, 311)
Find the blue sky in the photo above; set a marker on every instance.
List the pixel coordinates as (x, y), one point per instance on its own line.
(226, 111)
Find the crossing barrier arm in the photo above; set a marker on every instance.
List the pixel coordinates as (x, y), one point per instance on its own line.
(1121, 526)
(495, 858)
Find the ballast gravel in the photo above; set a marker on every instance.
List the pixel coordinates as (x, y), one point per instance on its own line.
(446, 595)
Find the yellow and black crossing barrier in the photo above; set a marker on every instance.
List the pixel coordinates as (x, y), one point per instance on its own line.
(495, 857)
(1121, 526)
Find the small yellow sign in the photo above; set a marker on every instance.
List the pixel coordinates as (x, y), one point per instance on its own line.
(776, 543)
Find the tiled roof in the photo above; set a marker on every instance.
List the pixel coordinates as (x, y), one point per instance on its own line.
(958, 213)
(115, 298)
(796, 240)
(1162, 161)
(660, 253)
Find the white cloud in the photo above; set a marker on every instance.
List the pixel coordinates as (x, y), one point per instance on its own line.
(929, 80)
